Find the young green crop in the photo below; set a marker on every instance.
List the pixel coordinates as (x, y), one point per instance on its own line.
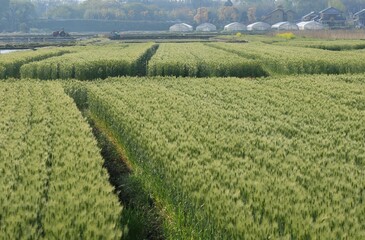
(52, 184)
(246, 159)
(93, 62)
(10, 63)
(198, 60)
(332, 45)
(282, 60)
(254, 59)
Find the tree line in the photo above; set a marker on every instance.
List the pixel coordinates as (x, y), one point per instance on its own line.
(15, 15)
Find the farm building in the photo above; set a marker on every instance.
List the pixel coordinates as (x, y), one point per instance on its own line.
(235, 27)
(285, 26)
(181, 27)
(279, 15)
(258, 26)
(359, 18)
(206, 27)
(332, 17)
(312, 16)
(310, 25)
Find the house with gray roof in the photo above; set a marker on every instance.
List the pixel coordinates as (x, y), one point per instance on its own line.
(332, 17)
(279, 15)
(312, 16)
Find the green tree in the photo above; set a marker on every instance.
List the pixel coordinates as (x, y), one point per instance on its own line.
(64, 12)
(20, 12)
(251, 15)
(354, 5)
(229, 14)
(337, 4)
(304, 6)
(286, 4)
(262, 7)
(4, 7)
(202, 15)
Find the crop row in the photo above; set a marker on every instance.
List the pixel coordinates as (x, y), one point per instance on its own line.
(93, 62)
(254, 59)
(246, 159)
(298, 60)
(198, 60)
(52, 184)
(332, 45)
(10, 63)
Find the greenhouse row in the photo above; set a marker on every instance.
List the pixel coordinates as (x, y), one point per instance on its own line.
(257, 26)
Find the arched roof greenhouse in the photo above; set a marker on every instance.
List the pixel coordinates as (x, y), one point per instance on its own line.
(284, 26)
(311, 25)
(235, 27)
(181, 27)
(259, 26)
(206, 27)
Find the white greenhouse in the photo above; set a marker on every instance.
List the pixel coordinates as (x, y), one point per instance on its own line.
(181, 27)
(235, 27)
(311, 25)
(258, 26)
(206, 27)
(284, 26)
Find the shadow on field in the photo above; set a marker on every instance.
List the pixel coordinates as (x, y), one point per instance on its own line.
(140, 217)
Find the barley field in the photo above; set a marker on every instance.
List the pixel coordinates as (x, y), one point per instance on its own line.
(256, 140)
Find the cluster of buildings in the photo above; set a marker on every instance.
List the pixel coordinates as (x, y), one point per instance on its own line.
(330, 17)
(280, 19)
